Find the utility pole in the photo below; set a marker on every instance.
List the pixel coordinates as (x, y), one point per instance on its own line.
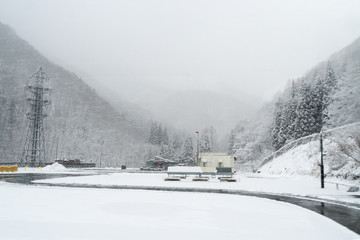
(101, 151)
(321, 161)
(197, 148)
(34, 149)
(57, 149)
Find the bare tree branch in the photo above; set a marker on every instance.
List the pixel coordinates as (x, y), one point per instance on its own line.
(347, 149)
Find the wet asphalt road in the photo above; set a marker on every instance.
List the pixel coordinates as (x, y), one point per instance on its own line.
(348, 216)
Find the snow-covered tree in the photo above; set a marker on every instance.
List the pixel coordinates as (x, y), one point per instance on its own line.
(175, 148)
(289, 112)
(188, 157)
(231, 142)
(305, 121)
(205, 145)
(153, 133)
(304, 108)
(208, 140)
(164, 137)
(213, 139)
(351, 149)
(158, 135)
(278, 132)
(164, 151)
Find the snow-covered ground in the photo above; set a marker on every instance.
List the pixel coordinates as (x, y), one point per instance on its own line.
(44, 212)
(40, 212)
(304, 159)
(296, 185)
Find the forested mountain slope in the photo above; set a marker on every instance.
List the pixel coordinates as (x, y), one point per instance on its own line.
(346, 105)
(326, 97)
(80, 124)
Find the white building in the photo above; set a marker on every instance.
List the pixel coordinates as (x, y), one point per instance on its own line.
(210, 161)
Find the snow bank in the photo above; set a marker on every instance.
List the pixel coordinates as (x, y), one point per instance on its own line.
(55, 167)
(302, 160)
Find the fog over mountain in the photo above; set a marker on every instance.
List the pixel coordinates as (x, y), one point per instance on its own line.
(196, 110)
(80, 124)
(145, 52)
(186, 65)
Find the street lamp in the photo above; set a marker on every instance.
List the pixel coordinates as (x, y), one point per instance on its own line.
(197, 148)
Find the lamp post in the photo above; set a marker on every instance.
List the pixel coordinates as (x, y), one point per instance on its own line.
(321, 161)
(197, 148)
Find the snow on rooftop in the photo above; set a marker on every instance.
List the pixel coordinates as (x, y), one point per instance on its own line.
(184, 169)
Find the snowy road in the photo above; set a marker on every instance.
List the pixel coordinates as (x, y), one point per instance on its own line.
(42, 212)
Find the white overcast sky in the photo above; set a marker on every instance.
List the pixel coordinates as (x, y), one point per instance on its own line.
(250, 47)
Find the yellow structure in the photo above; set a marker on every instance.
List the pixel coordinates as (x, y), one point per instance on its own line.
(8, 168)
(210, 161)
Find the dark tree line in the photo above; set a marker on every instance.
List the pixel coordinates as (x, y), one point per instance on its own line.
(208, 140)
(175, 148)
(303, 109)
(179, 148)
(158, 135)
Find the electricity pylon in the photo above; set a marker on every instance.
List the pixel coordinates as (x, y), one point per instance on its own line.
(34, 149)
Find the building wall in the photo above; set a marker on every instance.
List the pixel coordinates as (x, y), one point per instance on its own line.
(210, 161)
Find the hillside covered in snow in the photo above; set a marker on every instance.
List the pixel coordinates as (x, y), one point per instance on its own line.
(302, 157)
(325, 98)
(80, 124)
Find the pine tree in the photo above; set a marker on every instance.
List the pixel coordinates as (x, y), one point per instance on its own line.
(322, 92)
(152, 134)
(212, 139)
(290, 113)
(164, 137)
(278, 132)
(175, 148)
(318, 108)
(231, 142)
(188, 156)
(149, 155)
(305, 120)
(159, 135)
(205, 145)
(331, 80)
(164, 151)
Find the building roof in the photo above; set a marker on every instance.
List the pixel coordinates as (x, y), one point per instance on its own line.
(161, 159)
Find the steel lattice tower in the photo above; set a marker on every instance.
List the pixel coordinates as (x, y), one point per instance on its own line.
(34, 149)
